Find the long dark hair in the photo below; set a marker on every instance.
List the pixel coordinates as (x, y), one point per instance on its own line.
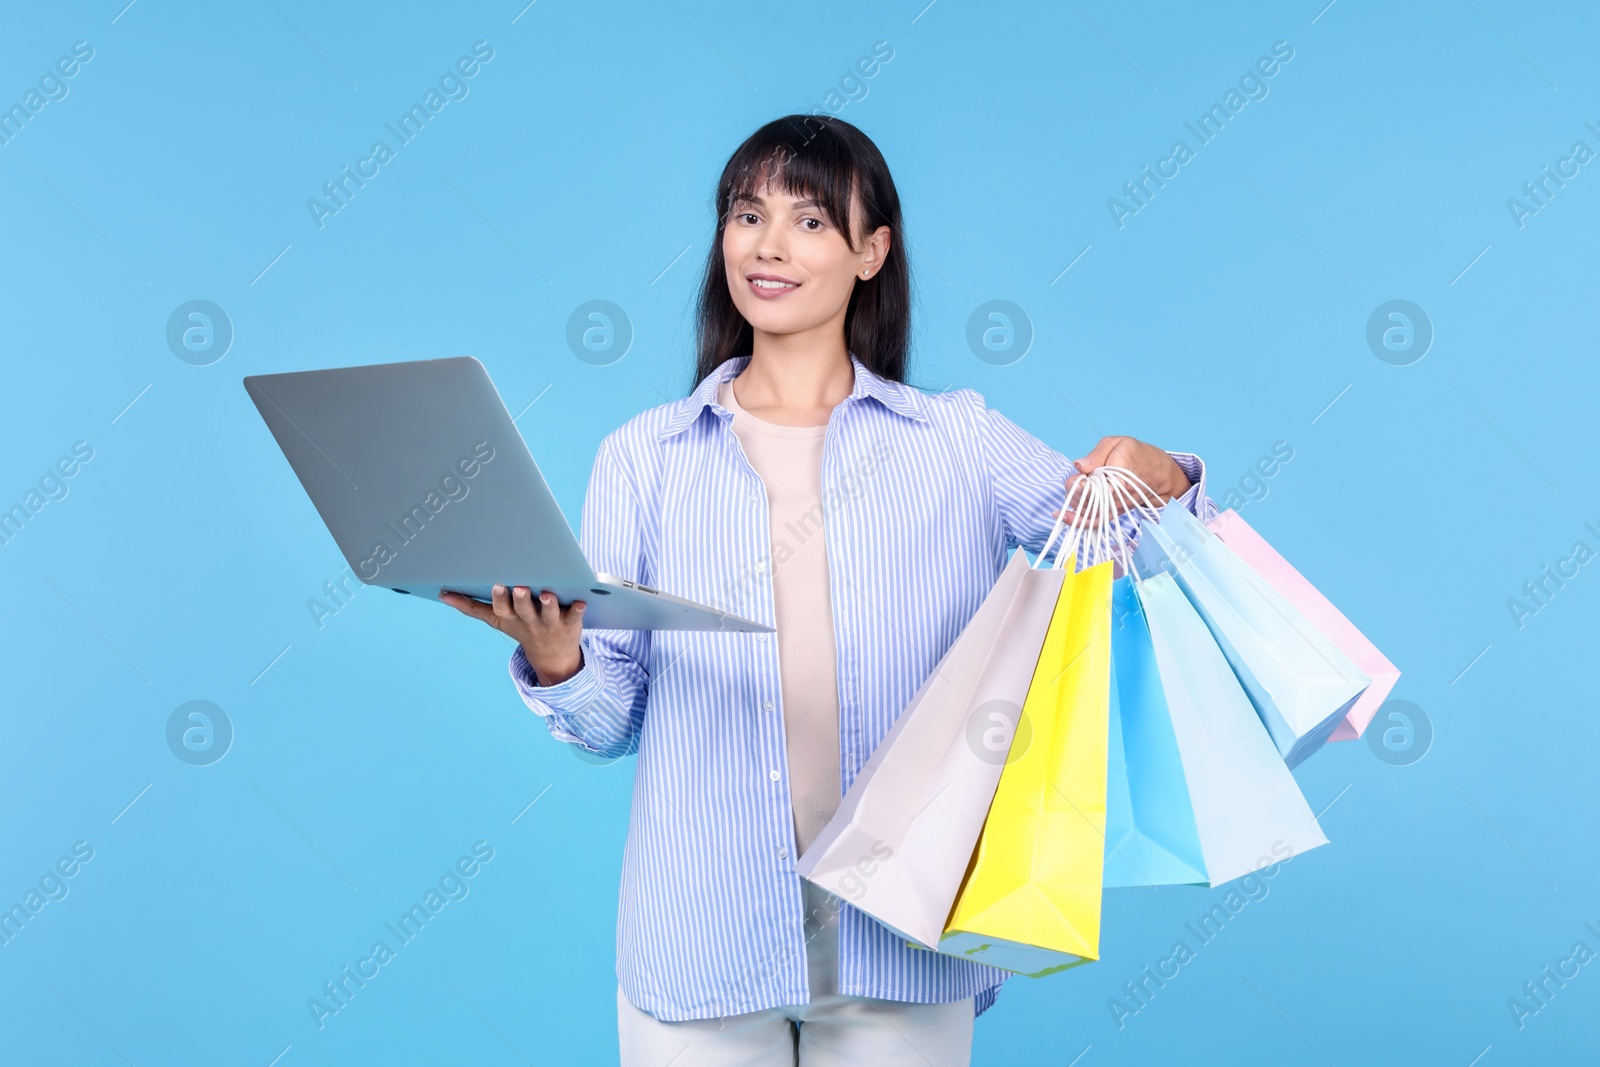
(823, 157)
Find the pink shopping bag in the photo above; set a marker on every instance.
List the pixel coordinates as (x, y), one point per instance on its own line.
(1292, 586)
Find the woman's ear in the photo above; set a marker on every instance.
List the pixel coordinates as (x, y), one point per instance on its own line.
(877, 252)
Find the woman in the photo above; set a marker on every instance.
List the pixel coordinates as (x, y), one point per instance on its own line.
(804, 484)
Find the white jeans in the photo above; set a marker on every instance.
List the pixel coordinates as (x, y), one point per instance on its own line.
(833, 1030)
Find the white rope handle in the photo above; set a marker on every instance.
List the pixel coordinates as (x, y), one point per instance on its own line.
(1125, 482)
(1072, 530)
(1072, 544)
(1082, 516)
(1095, 520)
(1092, 512)
(1107, 514)
(1133, 481)
(1058, 528)
(1120, 489)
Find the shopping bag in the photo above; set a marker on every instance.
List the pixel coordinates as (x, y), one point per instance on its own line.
(1251, 547)
(1151, 836)
(1030, 902)
(1299, 681)
(1248, 808)
(903, 835)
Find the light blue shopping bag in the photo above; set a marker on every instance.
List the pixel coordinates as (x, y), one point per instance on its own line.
(1248, 809)
(1299, 682)
(1151, 836)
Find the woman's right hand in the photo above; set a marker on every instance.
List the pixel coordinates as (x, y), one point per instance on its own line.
(547, 632)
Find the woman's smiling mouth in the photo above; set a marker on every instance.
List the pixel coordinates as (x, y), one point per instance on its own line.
(770, 286)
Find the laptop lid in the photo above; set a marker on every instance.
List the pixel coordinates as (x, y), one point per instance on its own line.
(419, 472)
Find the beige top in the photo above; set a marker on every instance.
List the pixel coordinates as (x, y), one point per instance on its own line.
(789, 461)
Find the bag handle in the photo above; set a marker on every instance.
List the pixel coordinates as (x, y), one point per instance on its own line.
(1071, 532)
(1105, 547)
(1061, 526)
(1073, 536)
(1097, 514)
(1133, 481)
(1120, 488)
(1128, 483)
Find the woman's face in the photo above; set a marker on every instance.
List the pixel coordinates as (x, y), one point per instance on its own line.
(789, 269)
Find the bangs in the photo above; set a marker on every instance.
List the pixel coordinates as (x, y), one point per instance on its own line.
(801, 159)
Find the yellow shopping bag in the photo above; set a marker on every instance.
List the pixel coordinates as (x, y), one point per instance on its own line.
(1030, 901)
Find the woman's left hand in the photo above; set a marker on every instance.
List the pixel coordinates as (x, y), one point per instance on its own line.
(1159, 470)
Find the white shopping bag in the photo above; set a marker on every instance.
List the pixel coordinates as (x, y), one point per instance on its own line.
(905, 831)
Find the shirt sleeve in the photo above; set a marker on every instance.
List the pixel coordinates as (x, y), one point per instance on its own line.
(1029, 479)
(601, 707)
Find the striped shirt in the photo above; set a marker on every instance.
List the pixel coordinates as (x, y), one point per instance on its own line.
(924, 496)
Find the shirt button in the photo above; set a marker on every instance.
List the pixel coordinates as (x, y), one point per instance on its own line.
(767, 704)
(774, 775)
(761, 565)
(782, 852)
(761, 637)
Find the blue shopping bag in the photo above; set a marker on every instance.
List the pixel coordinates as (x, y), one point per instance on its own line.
(1248, 808)
(1299, 681)
(1151, 836)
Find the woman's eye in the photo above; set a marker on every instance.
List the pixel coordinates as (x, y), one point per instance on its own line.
(819, 223)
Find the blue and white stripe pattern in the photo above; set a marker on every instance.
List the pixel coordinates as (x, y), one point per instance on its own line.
(923, 496)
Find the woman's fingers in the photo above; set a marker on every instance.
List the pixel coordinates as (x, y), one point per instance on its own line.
(468, 606)
(522, 604)
(503, 611)
(519, 612)
(544, 609)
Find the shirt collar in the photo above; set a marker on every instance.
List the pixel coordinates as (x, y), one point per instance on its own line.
(896, 396)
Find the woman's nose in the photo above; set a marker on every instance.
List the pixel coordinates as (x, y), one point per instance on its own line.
(773, 246)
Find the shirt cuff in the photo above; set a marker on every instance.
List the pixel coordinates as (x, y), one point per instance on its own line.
(1193, 466)
(556, 702)
(1194, 498)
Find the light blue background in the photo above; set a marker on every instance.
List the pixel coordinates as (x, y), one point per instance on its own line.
(372, 752)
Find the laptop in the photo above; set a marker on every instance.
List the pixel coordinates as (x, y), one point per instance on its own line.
(418, 471)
